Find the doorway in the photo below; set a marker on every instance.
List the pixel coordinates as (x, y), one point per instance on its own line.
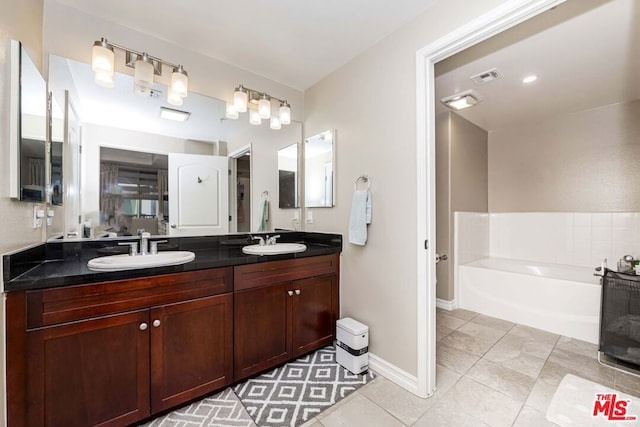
(502, 17)
(240, 208)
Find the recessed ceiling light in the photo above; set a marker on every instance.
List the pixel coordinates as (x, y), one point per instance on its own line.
(460, 100)
(171, 114)
(530, 79)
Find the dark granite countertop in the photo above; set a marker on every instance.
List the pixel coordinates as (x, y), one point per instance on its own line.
(63, 263)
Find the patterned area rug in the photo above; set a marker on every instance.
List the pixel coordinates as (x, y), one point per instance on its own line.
(298, 391)
(220, 410)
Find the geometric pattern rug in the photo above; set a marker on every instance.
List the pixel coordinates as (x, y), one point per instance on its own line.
(286, 396)
(220, 410)
(298, 391)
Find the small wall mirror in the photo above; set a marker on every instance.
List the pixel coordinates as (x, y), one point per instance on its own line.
(28, 128)
(288, 195)
(319, 178)
(56, 132)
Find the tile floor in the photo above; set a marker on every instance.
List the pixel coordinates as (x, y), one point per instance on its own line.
(489, 373)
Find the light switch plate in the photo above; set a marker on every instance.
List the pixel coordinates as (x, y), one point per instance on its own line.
(309, 217)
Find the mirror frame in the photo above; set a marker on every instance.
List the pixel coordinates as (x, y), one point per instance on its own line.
(331, 132)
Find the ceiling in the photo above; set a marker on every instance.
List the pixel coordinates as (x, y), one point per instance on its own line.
(293, 42)
(586, 54)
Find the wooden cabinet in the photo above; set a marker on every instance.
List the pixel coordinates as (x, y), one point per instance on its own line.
(171, 342)
(283, 309)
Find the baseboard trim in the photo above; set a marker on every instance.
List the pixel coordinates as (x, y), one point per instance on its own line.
(393, 373)
(446, 305)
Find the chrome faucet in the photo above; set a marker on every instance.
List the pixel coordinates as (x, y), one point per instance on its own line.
(144, 242)
(272, 240)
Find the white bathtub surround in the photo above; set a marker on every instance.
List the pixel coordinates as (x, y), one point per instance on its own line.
(560, 299)
(565, 238)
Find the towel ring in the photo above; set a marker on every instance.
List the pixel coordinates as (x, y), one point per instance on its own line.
(364, 178)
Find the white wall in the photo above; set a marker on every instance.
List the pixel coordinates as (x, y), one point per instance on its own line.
(371, 102)
(96, 136)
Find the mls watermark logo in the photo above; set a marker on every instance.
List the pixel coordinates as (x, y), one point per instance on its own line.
(612, 409)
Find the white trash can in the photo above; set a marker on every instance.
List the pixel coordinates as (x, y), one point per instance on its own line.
(352, 345)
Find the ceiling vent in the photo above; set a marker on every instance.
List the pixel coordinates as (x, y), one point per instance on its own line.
(486, 77)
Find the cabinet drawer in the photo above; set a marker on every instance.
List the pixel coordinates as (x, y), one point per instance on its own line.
(267, 273)
(58, 305)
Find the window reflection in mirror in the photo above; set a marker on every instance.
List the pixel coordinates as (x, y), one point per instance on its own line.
(55, 152)
(33, 128)
(288, 177)
(318, 170)
(133, 191)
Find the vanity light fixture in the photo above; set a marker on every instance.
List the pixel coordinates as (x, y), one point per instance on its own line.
(172, 114)
(460, 101)
(260, 106)
(145, 66)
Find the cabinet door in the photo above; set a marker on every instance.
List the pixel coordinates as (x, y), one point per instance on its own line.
(314, 313)
(191, 349)
(92, 372)
(261, 333)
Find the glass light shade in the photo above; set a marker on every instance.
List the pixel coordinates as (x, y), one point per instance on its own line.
(254, 118)
(275, 123)
(174, 98)
(264, 107)
(240, 99)
(232, 113)
(102, 58)
(180, 81)
(103, 79)
(143, 75)
(285, 114)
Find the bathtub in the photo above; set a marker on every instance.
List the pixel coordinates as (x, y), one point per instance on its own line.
(562, 299)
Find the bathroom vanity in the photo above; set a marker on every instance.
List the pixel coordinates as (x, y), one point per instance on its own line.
(87, 348)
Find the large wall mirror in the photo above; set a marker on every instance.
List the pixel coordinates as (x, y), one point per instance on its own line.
(319, 178)
(116, 120)
(28, 128)
(56, 148)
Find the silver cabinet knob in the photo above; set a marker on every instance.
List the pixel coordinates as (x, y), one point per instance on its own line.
(174, 226)
(290, 293)
(297, 291)
(156, 323)
(143, 326)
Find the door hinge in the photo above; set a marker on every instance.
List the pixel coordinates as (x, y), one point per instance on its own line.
(230, 219)
(426, 244)
(229, 172)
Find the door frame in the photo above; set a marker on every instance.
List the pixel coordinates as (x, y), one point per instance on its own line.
(233, 185)
(500, 18)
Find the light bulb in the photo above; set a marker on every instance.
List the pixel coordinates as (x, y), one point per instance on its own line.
(264, 106)
(174, 98)
(102, 58)
(143, 74)
(275, 123)
(180, 81)
(232, 113)
(285, 113)
(240, 99)
(254, 118)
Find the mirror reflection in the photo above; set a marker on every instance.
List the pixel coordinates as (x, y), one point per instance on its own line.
(119, 195)
(318, 170)
(32, 131)
(288, 177)
(56, 145)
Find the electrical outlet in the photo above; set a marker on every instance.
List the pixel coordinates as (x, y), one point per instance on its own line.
(309, 217)
(38, 216)
(296, 217)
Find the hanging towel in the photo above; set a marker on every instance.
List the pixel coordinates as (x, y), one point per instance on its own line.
(264, 215)
(360, 217)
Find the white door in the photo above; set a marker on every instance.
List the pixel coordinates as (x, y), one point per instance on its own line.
(198, 195)
(71, 173)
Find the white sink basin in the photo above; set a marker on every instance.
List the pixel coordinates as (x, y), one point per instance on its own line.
(127, 262)
(277, 249)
